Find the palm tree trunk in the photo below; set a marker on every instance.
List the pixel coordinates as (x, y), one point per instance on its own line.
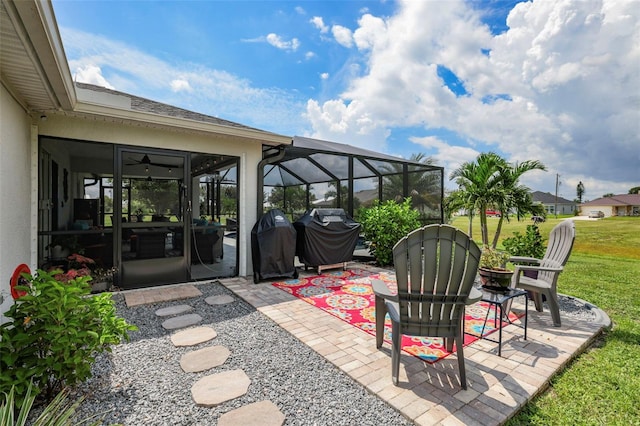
(498, 230)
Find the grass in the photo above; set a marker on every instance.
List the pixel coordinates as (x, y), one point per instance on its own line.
(602, 386)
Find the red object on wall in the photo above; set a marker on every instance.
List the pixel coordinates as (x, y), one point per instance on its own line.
(18, 279)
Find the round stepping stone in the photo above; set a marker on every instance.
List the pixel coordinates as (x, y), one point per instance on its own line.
(263, 413)
(218, 388)
(181, 321)
(204, 359)
(220, 300)
(173, 310)
(193, 336)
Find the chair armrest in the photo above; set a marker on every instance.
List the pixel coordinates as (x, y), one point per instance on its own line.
(537, 268)
(523, 259)
(380, 289)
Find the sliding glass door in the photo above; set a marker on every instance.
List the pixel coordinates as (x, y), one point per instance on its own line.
(150, 211)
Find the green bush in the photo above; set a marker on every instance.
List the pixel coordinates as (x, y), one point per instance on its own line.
(529, 244)
(54, 334)
(385, 224)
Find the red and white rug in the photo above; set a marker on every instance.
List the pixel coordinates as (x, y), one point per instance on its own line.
(349, 296)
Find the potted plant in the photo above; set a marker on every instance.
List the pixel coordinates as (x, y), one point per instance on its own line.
(492, 270)
(102, 279)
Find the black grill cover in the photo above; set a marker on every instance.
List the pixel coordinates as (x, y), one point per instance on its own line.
(326, 237)
(273, 246)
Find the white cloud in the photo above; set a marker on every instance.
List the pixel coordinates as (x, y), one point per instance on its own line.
(300, 11)
(318, 22)
(309, 55)
(91, 74)
(324, 75)
(277, 41)
(342, 35)
(181, 85)
(563, 80)
(213, 91)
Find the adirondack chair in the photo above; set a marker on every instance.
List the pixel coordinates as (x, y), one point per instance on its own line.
(435, 270)
(548, 268)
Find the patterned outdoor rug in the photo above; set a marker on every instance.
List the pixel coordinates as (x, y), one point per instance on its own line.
(348, 295)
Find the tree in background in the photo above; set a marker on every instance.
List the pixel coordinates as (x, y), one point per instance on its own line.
(424, 186)
(291, 200)
(580, 191)
(635, 190)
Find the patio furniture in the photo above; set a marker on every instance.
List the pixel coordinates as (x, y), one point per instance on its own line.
(435, 271)
(548, 269)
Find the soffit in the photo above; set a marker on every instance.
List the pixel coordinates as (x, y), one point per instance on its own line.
(32, 66)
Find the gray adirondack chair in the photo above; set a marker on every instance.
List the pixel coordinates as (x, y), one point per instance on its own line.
(435, 270)
(548, 268)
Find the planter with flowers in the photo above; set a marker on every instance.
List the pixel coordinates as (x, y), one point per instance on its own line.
(102, 279)
(493, 272)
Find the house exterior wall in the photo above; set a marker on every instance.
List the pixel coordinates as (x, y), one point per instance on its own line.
(18, 206)
(249, 153)
(607, 210)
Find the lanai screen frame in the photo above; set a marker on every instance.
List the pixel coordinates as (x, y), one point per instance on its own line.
(303, 163)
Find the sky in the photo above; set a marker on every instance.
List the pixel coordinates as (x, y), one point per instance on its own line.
(555, 81)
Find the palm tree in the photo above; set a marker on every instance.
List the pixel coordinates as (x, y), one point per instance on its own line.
(424, 185)
(516, 197)
(491, 182)
(479, 187)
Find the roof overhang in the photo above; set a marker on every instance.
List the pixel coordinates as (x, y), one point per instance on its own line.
(33, 65)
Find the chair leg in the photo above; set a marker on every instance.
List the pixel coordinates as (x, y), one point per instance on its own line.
(396, 343)
(554, 308)
(461, 367)
(381, 312)
(537, 300)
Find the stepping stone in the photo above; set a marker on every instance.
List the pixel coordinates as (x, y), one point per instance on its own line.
(173, 310)
(220, 300)
(218, 388)
(181, 321)
(193, 336)
(204, 359)
(263, 413)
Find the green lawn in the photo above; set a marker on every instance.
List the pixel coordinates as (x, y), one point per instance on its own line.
(602, 386)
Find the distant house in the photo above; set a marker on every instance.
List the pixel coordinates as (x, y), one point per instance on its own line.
(553, 204)
(617, 205)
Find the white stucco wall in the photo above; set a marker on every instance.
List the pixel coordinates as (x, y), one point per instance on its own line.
(250, 154)
(17, 216)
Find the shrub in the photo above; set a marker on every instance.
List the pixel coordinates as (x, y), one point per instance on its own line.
(385, 224)
(54, 334)
(529, 244)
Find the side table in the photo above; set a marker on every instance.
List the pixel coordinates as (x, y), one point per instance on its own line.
(497, 299)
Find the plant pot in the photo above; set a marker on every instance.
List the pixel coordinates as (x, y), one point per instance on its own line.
(495, 278)
(100, 286)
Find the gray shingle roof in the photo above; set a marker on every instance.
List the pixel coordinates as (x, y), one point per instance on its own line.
(147, 105)
(548, 198)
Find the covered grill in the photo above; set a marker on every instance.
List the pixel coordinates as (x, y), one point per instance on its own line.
(326, 237)
(273, 247)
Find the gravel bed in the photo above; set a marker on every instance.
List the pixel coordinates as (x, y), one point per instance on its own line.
(141, 382)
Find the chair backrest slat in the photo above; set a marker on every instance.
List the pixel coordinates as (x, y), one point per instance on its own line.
(435, 270)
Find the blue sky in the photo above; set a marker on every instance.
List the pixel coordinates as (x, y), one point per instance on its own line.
(556, 81)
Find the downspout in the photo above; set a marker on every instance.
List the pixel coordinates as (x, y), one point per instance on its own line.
(268, 160)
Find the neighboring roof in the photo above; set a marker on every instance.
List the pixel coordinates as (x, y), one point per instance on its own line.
(616, 200)
(548, 198)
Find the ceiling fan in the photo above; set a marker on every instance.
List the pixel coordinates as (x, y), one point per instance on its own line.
(147, 162)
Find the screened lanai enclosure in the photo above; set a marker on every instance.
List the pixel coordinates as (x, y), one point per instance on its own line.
(313, 173)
